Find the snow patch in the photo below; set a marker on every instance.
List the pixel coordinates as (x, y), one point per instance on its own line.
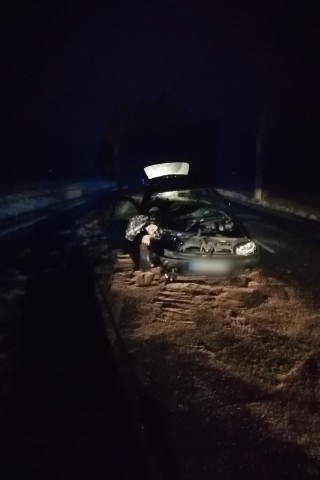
(30, 200)
(16, 209)
(282, 205)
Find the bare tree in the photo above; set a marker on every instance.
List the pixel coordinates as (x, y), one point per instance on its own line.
(258, 191)
(122, 118)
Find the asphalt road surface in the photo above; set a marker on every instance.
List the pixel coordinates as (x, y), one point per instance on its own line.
(63, 412)
(289, 247)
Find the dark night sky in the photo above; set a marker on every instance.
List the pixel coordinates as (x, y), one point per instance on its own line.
(66, 65)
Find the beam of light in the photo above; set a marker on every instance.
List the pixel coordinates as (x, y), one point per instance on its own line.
(264, 246)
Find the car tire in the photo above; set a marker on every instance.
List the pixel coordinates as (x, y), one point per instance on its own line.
(144, 259)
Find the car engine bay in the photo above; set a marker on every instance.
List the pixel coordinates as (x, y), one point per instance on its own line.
(213, 235)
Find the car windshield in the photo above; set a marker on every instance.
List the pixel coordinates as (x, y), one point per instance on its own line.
(203, 195)
(183, 206)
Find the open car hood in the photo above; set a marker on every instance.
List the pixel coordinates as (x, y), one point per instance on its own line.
(166, 169)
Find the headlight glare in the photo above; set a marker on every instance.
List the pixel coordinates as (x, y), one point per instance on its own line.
(246, 249)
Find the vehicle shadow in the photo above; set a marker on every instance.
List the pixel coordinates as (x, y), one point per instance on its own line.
(68, 415)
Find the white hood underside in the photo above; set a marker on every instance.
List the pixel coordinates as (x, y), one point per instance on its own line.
(164, 169)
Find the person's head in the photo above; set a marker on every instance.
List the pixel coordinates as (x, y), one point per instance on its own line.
(155, 215)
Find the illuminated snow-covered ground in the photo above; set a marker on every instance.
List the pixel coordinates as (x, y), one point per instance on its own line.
(275, 203)
(35, 199)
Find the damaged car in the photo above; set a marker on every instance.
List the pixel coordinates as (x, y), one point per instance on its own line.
(185, 228)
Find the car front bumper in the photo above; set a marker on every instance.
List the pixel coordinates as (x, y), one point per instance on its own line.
(178, 264)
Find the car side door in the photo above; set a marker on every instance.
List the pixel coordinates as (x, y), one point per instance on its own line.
(121, 212)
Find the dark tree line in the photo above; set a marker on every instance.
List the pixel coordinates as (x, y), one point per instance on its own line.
(150, 130)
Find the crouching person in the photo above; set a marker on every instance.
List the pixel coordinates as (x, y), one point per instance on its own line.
(145, 234)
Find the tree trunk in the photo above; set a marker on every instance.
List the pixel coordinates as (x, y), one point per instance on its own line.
(117, 167)
(258, 192)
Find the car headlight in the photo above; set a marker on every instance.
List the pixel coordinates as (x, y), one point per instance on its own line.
(246, 249)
